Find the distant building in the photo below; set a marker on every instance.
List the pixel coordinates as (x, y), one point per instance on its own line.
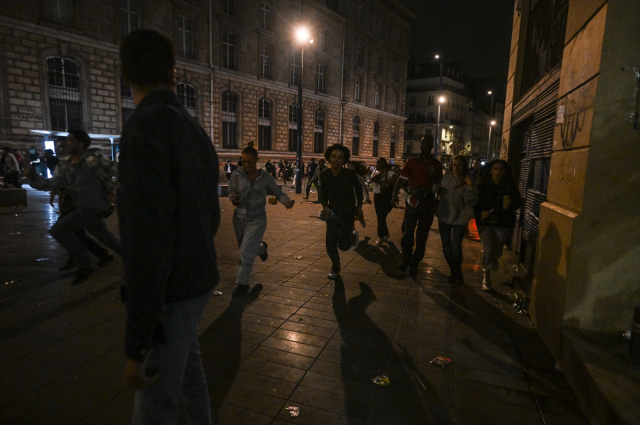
(238, 69)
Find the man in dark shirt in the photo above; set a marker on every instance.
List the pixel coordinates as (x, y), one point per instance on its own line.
(50, 159)
(169, 214)
(311, 169)
(341, 197)
(420, 177)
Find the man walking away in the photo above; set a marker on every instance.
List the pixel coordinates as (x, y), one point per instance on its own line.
(11, 168)
(341, 198)
(420, 177)
(248, 189)
(316, 178)
(90, 180)
(169, 215)
(311, 169)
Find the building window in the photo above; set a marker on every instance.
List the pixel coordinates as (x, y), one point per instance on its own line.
(408, 149)
(409, 132)
(228, 51)
(229, 120)
(430, 100)
(412, 101)
(359, 55)
(130, 16)
(376, 100)
(376, 132)
(394, 101)
(320, 79)
(321, 42)
(356, 96)
(396, 74)
(265, 22)
(64, 94)
(355, 147)
(187, 98)
(293, 127)
(295, 70)
(318, 132)
(411, 116)
(429, 131)
(380, 29)
(126, 101)
(264, 61)
(185, 37)
(60, 11)
(264, 124)
(379, 66)
(229, 7)
(361, 15)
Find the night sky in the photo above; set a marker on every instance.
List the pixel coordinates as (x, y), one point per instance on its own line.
(474, 32)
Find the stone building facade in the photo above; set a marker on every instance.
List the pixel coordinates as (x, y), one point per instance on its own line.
(571, 133)
(238, 68)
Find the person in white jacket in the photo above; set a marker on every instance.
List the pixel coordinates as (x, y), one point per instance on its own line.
(248, 189)
(458, 195)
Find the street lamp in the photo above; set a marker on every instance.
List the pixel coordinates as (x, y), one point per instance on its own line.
(441, 100)
(303, 37)
(489, 141)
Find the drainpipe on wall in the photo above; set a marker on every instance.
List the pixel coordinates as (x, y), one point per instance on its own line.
(344, 32)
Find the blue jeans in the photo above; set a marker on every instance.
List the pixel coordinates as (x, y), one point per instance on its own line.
(493, 239)
(182, 385)
(416, 220)
(64, 231)
(451, 236)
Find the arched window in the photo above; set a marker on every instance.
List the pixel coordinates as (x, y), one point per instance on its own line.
(264, 124)
(265, 22)
(229, 120)
(64, 93)
(376, 132)
(187, 98)
(293, 127)
(355, 147)
(318, 132)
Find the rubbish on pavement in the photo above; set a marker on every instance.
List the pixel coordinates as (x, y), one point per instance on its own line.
(41, 259)
(441, 361)
(294, 411)
(382, 380)
(216, 293)
(12, 281)
(300, 319)
(16, 233)
(519, 305)
(299, 257)
(626, 334)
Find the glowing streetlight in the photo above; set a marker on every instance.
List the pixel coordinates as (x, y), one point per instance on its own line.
(490, 93)
(303, 37)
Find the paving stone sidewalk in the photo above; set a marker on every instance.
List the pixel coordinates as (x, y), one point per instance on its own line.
(298, 340)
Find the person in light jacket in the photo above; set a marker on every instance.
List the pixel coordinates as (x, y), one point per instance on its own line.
(248, 189)
(458, 196)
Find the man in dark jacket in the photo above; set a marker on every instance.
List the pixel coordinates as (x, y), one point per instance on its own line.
(341, 196)
(169, 215)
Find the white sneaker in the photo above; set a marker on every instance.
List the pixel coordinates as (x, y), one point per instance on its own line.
(356, 243)
(486, 282)
(333, 275)
(379, 242)
(386, 238)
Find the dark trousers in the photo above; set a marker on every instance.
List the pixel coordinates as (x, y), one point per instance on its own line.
(383, 207)
(308, 188)
(452, 235)
(12, 178)
(66, 228)
(339, 236)
(421, 218)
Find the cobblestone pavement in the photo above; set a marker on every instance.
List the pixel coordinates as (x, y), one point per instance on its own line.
(301, 341)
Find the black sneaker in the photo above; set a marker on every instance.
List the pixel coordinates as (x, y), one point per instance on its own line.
(264, 256)
(241, 290)
(413, 272)
(82, 274)
(403, 267)
(105, 260)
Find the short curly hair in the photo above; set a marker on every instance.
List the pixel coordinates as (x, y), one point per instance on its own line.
(345, 150)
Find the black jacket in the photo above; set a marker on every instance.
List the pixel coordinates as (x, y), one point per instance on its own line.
(341, 193)
(491, 196)
(169, 213)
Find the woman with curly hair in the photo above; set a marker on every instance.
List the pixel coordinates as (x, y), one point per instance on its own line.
(495, 213)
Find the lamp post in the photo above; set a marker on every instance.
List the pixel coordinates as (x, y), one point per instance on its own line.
(303, 37)
(489, 141)
(441, 100)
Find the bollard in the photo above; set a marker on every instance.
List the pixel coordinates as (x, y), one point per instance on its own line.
(634, 344)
